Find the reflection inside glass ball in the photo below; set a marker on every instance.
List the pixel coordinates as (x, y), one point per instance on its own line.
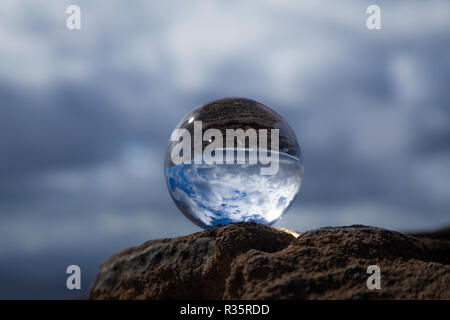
(233, 160)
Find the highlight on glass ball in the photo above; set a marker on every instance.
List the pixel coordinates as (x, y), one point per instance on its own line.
(233, 160)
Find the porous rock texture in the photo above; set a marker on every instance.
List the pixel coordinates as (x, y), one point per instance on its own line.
(253, 261)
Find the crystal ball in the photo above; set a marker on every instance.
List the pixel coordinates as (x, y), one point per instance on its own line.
(233, 160)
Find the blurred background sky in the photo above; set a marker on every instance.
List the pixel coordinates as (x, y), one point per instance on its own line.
(85, 118)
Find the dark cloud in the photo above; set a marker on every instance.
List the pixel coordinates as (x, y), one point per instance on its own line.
(85, 118)
(68, 127)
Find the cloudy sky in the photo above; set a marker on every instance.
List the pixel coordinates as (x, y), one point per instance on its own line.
(85, 117)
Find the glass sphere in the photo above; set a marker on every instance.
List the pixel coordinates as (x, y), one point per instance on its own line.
(233, 160)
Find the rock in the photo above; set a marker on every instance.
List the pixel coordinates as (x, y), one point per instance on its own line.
(331, 263)
(190, 267)
(253, 261)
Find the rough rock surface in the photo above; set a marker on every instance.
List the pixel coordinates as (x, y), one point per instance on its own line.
(252, 261)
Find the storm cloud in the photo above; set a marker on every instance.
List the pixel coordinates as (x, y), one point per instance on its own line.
(86, 115)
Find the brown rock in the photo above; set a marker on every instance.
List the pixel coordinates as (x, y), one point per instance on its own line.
(252, 261)
(191, 267)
